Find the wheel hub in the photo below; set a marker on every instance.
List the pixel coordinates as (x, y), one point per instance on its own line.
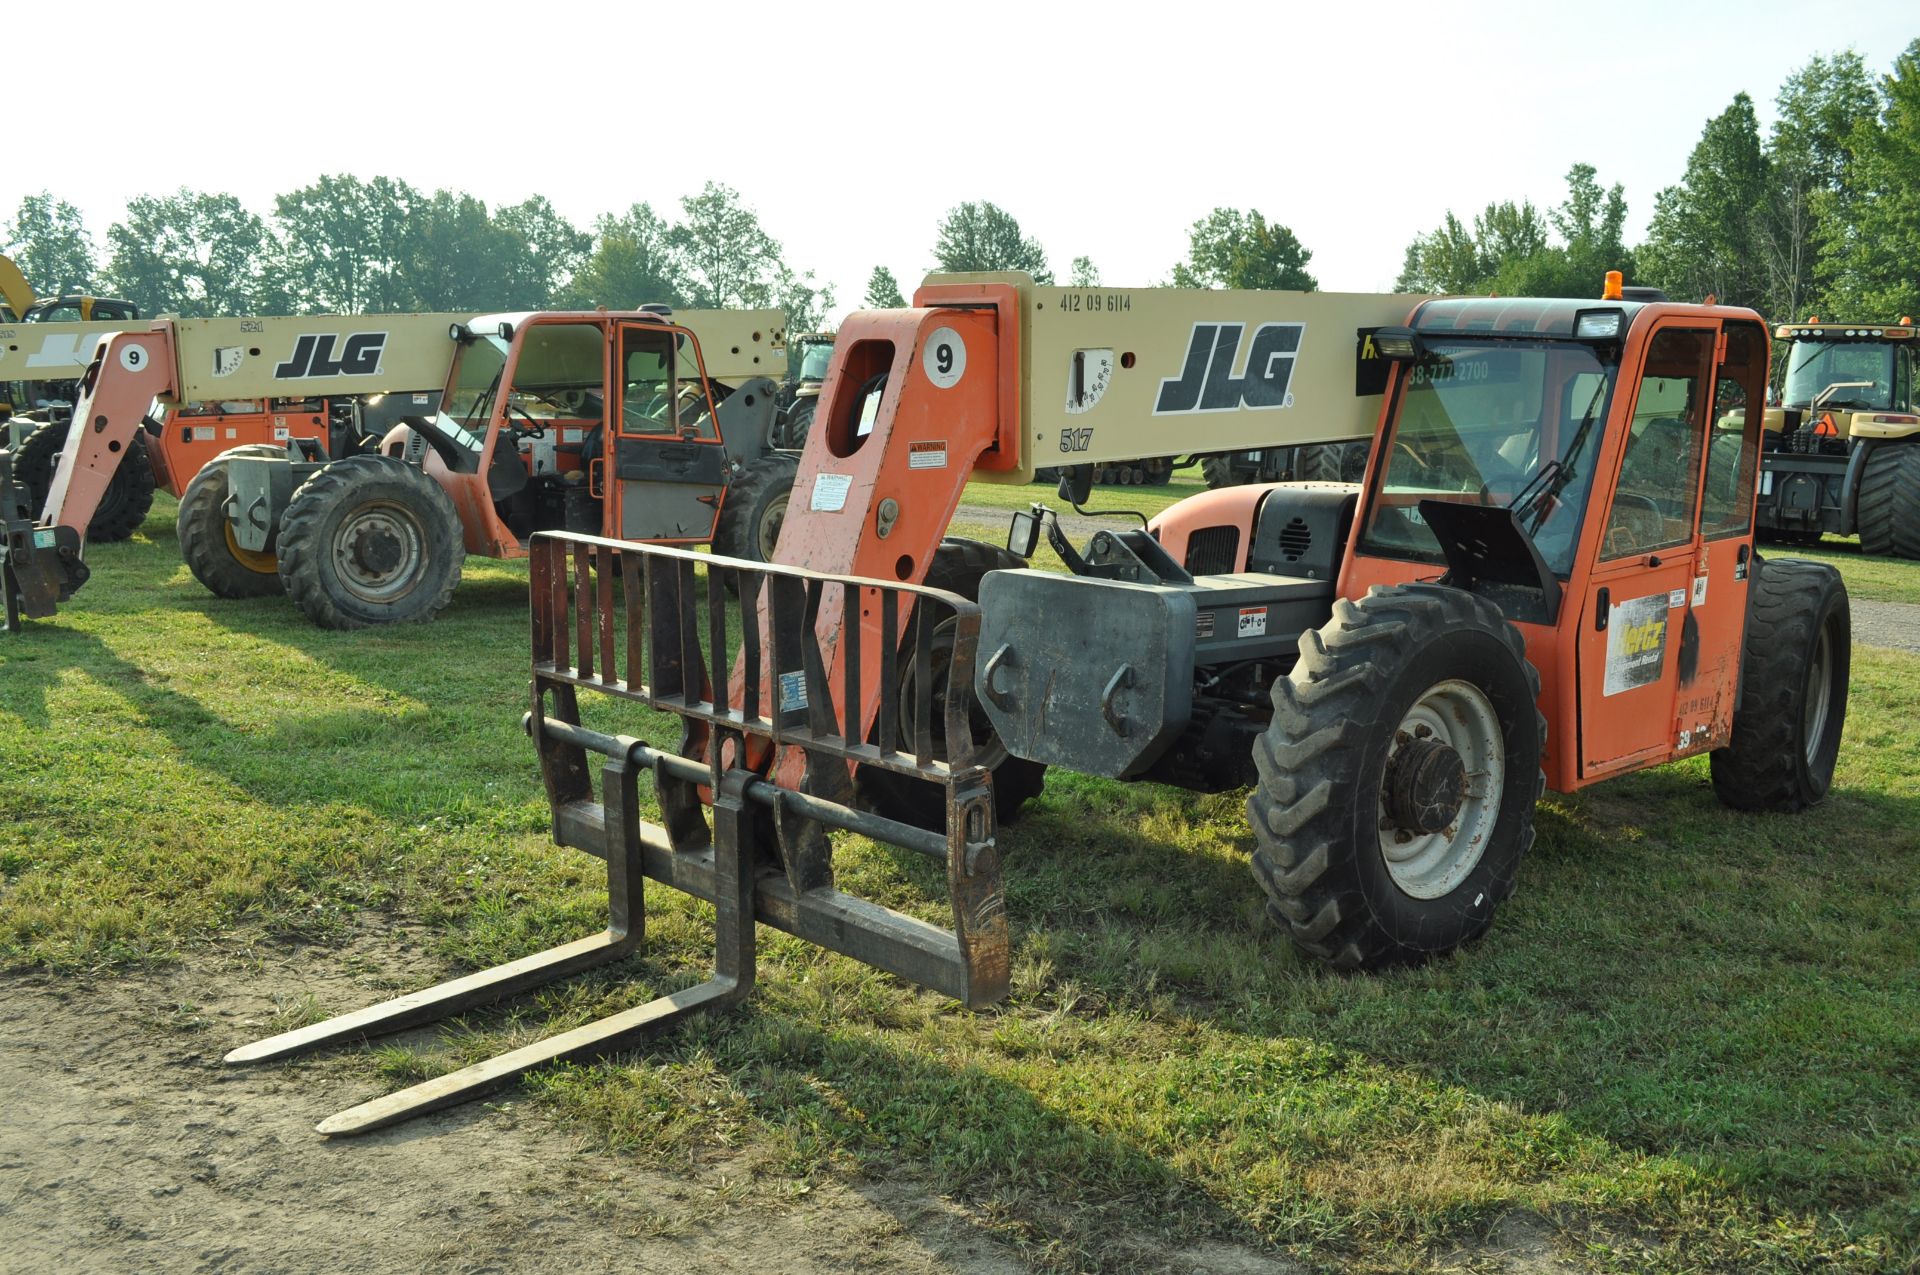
(377, 550)
(1425, 785)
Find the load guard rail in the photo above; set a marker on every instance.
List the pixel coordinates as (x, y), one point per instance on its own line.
(747, 801)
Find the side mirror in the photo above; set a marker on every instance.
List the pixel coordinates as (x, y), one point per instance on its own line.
(1023, 537)
(1076, 484)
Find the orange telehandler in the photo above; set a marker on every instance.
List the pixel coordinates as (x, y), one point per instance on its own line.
(1546, 578)
(365, 501)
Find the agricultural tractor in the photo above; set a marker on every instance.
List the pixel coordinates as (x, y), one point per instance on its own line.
(800, 393)
(594, 422)
(1545, 578)
(1842, 448)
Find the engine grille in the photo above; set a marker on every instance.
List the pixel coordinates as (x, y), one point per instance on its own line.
(1212, 551)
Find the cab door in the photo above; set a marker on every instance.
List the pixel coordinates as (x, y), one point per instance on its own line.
(1709, 668)
(1634, 630)
(668, 460)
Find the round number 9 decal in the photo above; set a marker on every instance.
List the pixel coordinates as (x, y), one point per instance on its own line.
(945, 358)
(133, 358)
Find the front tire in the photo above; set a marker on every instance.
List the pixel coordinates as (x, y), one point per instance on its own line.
(206, 536)
(1333, 462)
(958, 566)
(1794, 668)
(1398, 778)
(791, 433)
(1889, 511)
(370, 540)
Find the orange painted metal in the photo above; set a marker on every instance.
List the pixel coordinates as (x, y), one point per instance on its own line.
(1592, 735)
(130, 371)
(191, 437)
(1223, 507)
(898, 463)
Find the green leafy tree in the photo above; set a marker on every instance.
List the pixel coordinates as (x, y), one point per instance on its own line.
(728, 257)
(1446, 260)
(1233, 249)
(554, 251)
(984, 236)
(1708, 234)
(633, 263)
(883, 291)
(48, 240)
(345, 244)
(1083, 273)
(805, 302)
(1873, 253)
(458, 257)
(1818, 112)
(1592, 225)
(1510, 250)
(192, 253)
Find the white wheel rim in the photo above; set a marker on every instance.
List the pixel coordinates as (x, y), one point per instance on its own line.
(1819, 694)
(366, 582)
(1459, 715)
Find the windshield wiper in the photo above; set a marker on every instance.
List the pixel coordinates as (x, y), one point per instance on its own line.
(1555, 474)
(484, 403)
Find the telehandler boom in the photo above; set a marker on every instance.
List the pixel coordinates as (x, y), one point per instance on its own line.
(1547, 577)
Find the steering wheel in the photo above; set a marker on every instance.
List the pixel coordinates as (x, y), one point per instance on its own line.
(533, 429)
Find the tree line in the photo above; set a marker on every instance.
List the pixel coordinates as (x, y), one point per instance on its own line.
(1821, 214)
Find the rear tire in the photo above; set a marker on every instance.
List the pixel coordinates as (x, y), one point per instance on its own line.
(124, 505)
(1333, 462)
(1218, 471)
(206, 538)
(755, 508)
(1400, 707)
(370, 540)
(1889, 512)
(791, 433)
(958, 566)
(1794, 668)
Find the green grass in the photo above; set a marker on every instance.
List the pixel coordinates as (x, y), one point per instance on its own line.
(1877, 579)
(1689, 1039)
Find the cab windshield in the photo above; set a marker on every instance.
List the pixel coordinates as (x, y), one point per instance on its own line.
(814, 360)
(1850, 375)
(1502, 423)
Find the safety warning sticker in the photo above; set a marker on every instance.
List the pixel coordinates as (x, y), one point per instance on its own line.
(931, 455)
(1253, 621)
(830, 492)
(1636, 643)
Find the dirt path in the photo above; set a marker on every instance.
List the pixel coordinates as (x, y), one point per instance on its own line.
(1889, 624)
(125, 1146)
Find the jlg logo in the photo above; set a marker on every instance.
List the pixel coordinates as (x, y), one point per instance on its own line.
(1076, 440)
(313, 356)
(1208, 383)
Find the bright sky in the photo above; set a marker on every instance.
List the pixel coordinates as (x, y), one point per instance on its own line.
(1106, 129)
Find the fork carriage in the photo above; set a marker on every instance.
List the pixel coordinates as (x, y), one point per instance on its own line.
(751, 685)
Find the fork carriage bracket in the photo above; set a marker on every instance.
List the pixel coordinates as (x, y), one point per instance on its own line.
(892, 941)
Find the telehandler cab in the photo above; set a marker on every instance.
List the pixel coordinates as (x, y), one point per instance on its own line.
(598, 422)
(1547, 577)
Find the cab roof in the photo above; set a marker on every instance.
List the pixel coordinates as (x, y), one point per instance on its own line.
(1551, 317)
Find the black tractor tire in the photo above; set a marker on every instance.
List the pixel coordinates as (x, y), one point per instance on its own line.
(1218, 471)
(958, 566)
(1794, 667)
(129, 494)
(1333, 462)
(755, 508)
(206, 538)
(796, 423)
(370, 540)
(1340, 766)
(1889, 513)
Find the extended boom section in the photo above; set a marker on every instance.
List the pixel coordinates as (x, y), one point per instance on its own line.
(746, 669)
